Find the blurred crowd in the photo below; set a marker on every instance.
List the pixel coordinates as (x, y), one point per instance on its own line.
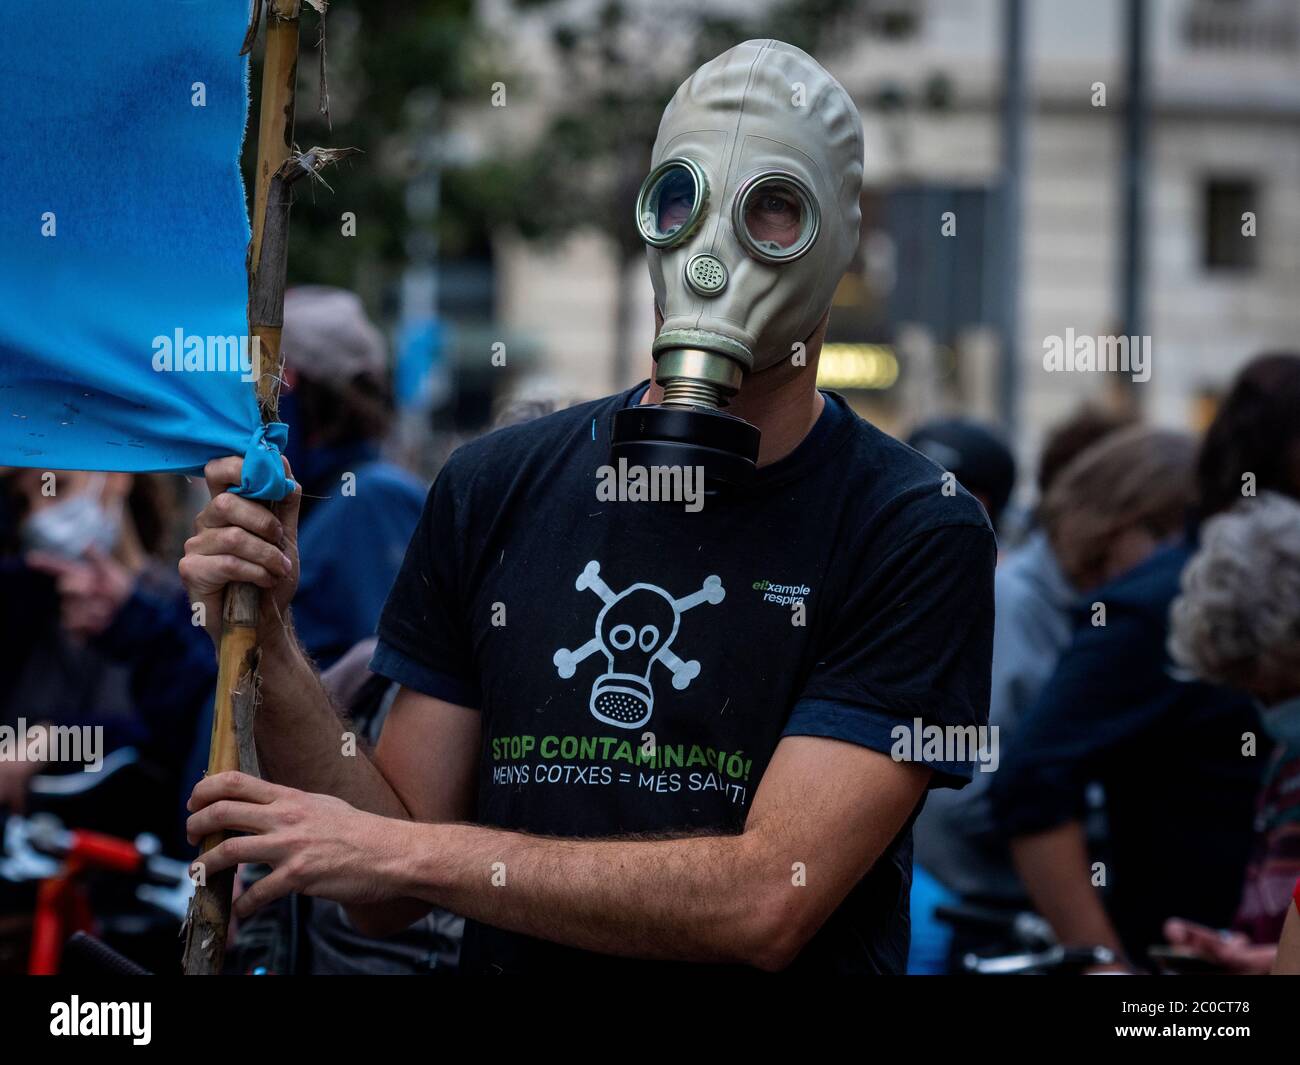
(1146, 673)
(97, 630)
(1146, 692)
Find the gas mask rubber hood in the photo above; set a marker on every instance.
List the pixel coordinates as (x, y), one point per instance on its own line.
(751, 217)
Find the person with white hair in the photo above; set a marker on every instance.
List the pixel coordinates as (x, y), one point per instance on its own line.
(1237, 622)
(1165, 747)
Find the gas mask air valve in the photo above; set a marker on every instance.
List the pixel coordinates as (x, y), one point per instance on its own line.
(706, 275)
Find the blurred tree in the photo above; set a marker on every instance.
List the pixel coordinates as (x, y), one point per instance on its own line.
(389, 68)
(620, 69)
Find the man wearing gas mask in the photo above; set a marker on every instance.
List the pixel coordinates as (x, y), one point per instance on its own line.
(630, 731)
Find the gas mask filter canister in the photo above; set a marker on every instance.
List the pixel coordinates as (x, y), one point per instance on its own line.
(750, 216)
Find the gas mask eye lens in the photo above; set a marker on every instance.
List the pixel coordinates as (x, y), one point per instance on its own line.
(775, 218)
(671, 202)
(674, 203)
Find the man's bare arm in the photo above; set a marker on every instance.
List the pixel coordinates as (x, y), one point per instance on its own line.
(428, 754)
(300, 735)
(424, 766)
(1055, 869)
(823, 814)
(303, 739)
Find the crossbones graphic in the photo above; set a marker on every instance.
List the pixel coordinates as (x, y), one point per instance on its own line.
(634, 629)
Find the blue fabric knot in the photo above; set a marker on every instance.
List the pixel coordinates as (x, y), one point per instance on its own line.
(263, 476)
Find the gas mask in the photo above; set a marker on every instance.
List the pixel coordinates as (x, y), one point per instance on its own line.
(750, 215)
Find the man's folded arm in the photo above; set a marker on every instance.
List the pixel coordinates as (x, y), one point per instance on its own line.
(824, 812)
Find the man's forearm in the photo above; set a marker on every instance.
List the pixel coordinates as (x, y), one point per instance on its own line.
(757, 897)
(1054, 867)
(702, 898)
(301, 739)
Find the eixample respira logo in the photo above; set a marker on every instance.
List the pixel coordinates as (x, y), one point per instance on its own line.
(782, 594)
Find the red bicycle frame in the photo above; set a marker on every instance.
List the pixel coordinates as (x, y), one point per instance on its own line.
(61, 904)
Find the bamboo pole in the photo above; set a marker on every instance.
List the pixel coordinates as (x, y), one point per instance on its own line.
(276, 113)
(237, 653)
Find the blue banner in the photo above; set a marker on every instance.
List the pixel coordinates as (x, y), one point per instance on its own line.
(123, 233)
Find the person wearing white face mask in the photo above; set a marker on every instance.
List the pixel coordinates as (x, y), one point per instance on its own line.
(1237, 621)
(85, 516)
(96, 631)
(77, 528)
(70, 521)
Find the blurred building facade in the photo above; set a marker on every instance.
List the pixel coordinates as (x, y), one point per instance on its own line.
(914, 330)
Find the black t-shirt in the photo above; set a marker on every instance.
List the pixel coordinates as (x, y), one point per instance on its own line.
(637, 663)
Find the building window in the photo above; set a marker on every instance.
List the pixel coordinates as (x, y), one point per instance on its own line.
(1242, 26)
(1230, 206)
